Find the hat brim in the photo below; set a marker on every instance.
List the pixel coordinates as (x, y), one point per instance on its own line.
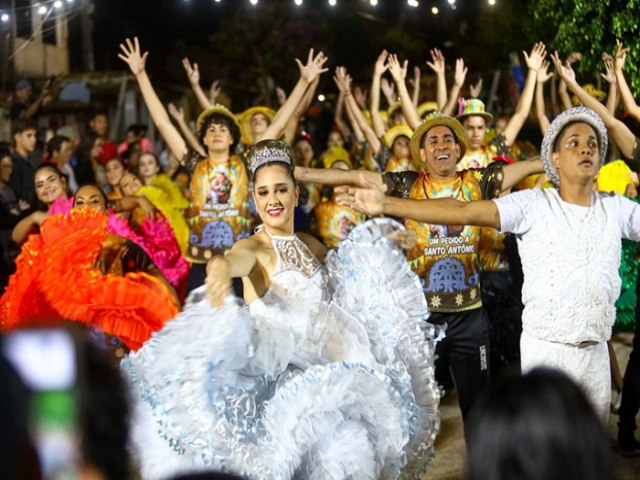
(453, 124)
(393, 133)
(245, 121)
(578, 114)
(216, 109)
(486, 115)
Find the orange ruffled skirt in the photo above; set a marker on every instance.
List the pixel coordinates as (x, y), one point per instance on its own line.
(56, 279)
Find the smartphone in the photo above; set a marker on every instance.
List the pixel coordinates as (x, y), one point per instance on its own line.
(46, 360)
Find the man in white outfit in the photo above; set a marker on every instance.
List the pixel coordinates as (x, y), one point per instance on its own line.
(569, 241)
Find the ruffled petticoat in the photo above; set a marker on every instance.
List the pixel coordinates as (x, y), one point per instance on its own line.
(339, 389)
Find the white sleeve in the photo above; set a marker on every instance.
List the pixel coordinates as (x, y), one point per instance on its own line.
(629, 213)
(516, 211)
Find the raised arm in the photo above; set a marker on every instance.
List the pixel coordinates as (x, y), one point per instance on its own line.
(308, 73)
(343, 81)
(374, 100)
(438, 65)
(193, 74)
(534, 63)
(610, 77)
(389, 90)
(620, 133)
(291, 127)
(370, 199)
(627, 97)
(458, 82)
(415, 96)
(518, 171)
(131, 56)
(338, 116)
(541, 111)
(357, 131)
(178, 116)
(399, 72)
(214, 92)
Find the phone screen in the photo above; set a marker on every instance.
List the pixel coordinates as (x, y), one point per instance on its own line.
(45, 359)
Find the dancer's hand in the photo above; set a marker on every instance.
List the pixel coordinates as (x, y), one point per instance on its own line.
(176, 113)
(132, 57)
(218, 281)
(192, 71)
(366, 197)
(536, 57)
(405, 239)
(437, 63)
(460, 73)
(543, 74)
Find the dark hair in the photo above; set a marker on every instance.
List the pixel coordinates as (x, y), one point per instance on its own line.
(539, 426)
(560, 135)
(55, 144)
(100, 191)
(22, 125)
(49, 166)
(104, 410)
(179, 170)
(219, 119)
(286, 166)
(5, 152)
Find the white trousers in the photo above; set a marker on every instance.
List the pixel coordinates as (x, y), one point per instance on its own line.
(587, 366)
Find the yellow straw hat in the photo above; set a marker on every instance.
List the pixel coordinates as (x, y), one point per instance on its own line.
(435, 120)
(393, 133)
(245, 121)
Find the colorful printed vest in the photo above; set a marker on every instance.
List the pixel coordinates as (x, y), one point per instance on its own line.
(219, 208)
(334, 222)
(446, 256)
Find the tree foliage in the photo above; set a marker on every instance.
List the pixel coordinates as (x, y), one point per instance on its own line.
(591, 27)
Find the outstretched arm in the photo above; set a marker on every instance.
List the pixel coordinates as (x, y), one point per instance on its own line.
(357, 131)
(178, 116)
(541, 111)
(374, 101)
(620, 133)
(308, 73)
(458, 82)
(337, 177)
(193, 74)
(131, 56)
(438, 65)
(291, 127)
(610, 77)
(399, 72)
(370, 199)
(627, 97)
(343, 81)
(518, 171)
(534, 63)
(415, 96)
(338, 116)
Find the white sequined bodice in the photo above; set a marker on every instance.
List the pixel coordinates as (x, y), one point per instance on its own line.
(299, 280)
(570, 259)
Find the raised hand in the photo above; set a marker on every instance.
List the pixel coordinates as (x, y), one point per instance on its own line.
(543, 73)
(281, 95)
(381, 64)
(388, 88)
(437, 63)
(609, 66)
(366, 197)
(398, 72)
(416, 75)
(314, 66)
(132, 57)
(475, 89)
(620, 56)
(177, 113)
(460, 73)
(192, 70)
(214, 91)
(218, 281)
(536, 57)
(342, 79)
(573, 58)
(564, 70)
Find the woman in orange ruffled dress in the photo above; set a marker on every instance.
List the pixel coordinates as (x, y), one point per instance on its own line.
(75, 269)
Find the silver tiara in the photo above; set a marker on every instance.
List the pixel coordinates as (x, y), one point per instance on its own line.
(260, 156)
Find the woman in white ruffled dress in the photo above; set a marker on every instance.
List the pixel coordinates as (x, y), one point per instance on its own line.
(326, 373)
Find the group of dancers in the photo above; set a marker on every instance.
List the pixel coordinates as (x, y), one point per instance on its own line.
(288, 360)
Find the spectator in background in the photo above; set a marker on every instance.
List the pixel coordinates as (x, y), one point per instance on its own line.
(23, 104)
(59, 152)
(24, 143)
